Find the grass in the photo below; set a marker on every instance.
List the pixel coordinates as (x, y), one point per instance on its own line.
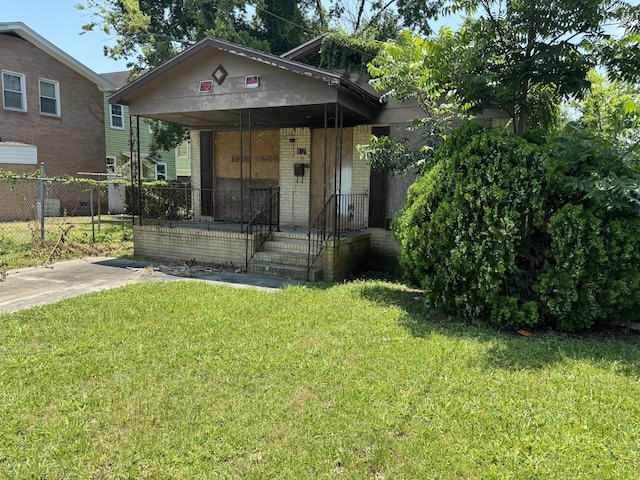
(188, 380)
(65, 237)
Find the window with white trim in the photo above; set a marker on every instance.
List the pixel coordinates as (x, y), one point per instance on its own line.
(111, 164)
(161, 171)
(183, 150)
(49, 97)
(116, 117)
(13, 91)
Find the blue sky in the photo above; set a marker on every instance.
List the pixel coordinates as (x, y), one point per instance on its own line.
(60, 23)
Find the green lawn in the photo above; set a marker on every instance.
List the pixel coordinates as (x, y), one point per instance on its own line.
(65, 237)
(188, 380)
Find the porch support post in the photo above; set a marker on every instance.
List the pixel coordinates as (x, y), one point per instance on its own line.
(250, 157)
(336, 187)
(340, 149)
(340, 198)
(133, 177)
(250, 164)
(241, 182)
(324, 178)
(324, 184)
(139, 169)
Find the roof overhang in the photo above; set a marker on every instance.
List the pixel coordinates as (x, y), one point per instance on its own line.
(312, 46)
(358, 104)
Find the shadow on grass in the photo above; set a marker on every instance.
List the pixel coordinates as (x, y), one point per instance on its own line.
(615, 347)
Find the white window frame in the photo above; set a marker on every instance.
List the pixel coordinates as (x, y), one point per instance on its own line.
(187, 144)
(111, 167)
(166, 176)
(56, 86)
(112, 116)
(23, 92)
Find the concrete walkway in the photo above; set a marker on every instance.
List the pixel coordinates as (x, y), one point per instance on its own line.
(33, 286)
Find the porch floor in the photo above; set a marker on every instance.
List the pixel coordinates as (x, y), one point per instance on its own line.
(236, 227)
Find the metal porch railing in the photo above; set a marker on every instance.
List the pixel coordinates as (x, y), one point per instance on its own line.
(265, 220)
(341, 213)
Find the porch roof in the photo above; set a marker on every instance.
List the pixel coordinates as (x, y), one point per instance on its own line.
(290, 93)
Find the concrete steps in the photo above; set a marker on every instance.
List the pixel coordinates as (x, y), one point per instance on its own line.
(285, 255)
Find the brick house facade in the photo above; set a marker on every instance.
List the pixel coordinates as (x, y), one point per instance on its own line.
(52, 102)
(234, 98)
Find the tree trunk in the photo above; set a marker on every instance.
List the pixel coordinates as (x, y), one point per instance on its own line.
(521, 127)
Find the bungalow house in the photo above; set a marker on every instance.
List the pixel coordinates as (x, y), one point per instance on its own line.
(273, 138)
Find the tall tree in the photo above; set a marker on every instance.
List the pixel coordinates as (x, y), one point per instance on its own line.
(611, 108)
(514, 55)
(149, 32)
(285, 24)
(355, 15)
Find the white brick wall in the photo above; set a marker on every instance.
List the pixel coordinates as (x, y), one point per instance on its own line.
(209, 247)
(382, 240)
(294, 191)
(361, 169)
(195, 158)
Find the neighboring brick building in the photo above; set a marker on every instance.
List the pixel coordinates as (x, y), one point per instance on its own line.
(52, 107)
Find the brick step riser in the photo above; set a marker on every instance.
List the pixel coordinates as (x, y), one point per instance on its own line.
(285, 271)
(283, 258)
(285, 247)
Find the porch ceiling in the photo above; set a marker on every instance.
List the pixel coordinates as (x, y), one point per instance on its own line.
(274, 117)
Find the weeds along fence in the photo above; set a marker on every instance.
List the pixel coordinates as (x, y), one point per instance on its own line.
(34, 211)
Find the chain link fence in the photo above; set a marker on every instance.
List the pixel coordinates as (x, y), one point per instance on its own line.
(44, 218)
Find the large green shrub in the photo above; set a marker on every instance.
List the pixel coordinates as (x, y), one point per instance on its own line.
(501, 229)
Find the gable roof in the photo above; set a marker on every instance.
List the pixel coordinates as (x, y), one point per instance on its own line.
(119, 79)
(332, 78)
(312, 46)
(21, 30)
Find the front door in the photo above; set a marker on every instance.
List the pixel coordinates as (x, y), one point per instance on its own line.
(325, 176)
(378, 198)
(206, 173)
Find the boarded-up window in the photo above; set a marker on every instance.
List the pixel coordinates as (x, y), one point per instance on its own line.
(265, 155)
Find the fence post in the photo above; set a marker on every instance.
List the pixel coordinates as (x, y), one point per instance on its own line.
(93, 223)
(99, 201)
(42, 201)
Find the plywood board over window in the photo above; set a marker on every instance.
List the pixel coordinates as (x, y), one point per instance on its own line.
(261, 172)
(265, 156)
(324, 177)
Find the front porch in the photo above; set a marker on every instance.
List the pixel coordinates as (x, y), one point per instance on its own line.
(275, 166)
(287, 253)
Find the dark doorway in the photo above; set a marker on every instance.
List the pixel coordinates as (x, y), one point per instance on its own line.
(206, 173)
(378, 188)
(378, 198)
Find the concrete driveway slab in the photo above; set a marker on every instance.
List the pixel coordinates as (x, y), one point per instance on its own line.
(34, 286)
